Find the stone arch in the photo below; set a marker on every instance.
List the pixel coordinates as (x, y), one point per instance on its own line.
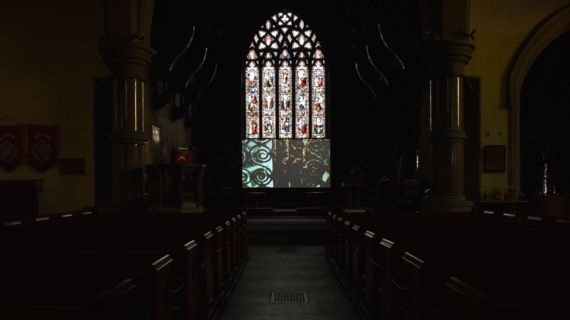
(545, 32)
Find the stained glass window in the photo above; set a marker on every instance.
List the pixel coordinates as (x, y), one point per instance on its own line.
(285, 75)
(318, 105)
(252, 96)
(302, 100)
(268, 100)
(285, 98)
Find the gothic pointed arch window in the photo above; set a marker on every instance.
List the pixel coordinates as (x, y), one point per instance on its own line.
(285, 85)
(285, 131)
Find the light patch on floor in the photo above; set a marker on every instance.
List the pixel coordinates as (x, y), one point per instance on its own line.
(295, 269)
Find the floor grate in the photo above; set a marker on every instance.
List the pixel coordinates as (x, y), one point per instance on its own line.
(289, 297)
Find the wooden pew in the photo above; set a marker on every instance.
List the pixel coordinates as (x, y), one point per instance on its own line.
(70, 295)
(347, 248)
(498, 294)
(333, 237)
(357, 266)
(370, 271)
(151, 272)
(219, 263)
(91, 229)
(500, 238)
(417, 282)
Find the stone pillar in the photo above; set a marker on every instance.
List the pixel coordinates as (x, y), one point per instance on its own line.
(446, 59)
(128, 61)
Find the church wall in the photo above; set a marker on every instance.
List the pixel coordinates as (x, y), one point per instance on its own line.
(501, 28)
(49, 57)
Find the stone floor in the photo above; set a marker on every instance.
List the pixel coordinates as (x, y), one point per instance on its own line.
(288, 268)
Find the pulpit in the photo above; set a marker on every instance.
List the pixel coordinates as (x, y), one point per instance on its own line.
(175, 187)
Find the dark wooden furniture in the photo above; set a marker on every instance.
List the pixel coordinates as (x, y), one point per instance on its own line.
(19, 198)
(172, 186)
(407, 265)
(131, 266)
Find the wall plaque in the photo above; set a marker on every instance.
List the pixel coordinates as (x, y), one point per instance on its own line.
(494, 159)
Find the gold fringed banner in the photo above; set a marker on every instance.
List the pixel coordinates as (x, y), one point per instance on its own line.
(42, 146)
(11, 146)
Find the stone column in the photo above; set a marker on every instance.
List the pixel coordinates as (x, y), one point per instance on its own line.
(128, 61)
(446, 59)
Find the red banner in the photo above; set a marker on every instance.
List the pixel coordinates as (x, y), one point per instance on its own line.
(42, 146)
(10, 146)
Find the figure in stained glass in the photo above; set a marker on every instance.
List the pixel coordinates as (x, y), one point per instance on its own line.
(268, 127)
(285, 104)
(302, 126)
(253, 128)
(319, 126)
(302, 80)
(268, 80)
(287, 126)
(251, 77)
(285, 76)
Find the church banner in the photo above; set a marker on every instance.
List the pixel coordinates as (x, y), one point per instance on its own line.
(42, 146)
(10, 146)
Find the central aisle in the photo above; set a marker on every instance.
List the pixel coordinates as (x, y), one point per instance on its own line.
(294, 269)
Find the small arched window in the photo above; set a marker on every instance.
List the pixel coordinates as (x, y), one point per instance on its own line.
(285, 81)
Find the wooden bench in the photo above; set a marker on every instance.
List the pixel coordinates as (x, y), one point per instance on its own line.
(403, 287)
(201, 266)
(70, 295)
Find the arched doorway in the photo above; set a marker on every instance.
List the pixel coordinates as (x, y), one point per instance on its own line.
(545, 110)
(548, 30)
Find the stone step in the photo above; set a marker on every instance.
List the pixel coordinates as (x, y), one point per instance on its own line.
(287, 230)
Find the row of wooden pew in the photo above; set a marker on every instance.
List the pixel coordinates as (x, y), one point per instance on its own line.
(84, 265)
(460, 266)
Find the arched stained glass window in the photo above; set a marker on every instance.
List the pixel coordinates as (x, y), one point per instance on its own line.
(285, 90)
(285, 143)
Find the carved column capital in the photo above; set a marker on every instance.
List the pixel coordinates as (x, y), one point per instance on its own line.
(447, 56)
(128, 58)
